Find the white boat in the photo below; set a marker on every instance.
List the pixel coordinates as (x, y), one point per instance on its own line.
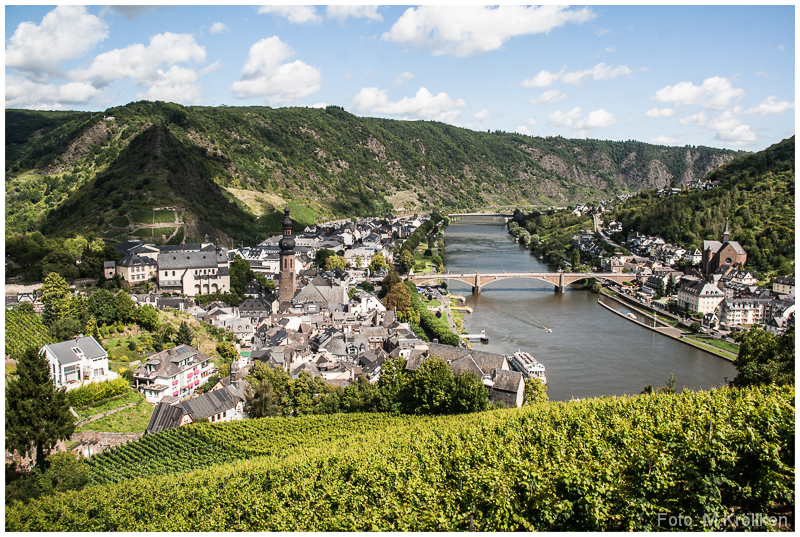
(548, 329)
(632, 316)
(528, 366)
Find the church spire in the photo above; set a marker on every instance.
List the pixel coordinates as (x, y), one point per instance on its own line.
(726, 235)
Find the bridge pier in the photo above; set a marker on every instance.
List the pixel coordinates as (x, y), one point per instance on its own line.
(559, 289)
(476, 289)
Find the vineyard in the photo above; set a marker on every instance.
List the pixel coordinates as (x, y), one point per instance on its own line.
(25, 330)
(602, 464)
(153, 217)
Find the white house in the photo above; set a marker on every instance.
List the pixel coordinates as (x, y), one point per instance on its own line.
(174, 372)
(700, 297)
(77, 360)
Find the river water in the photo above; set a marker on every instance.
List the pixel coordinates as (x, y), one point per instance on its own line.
(591, 351)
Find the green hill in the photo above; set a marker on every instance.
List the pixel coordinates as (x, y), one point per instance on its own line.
(755, 194)
(227, 169)
(602, 464)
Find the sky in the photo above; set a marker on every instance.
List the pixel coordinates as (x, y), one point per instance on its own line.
(720, 76)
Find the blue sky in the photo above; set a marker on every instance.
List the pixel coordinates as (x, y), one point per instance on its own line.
(720, 76)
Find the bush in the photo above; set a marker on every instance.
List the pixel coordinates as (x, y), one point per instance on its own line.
(95, 391)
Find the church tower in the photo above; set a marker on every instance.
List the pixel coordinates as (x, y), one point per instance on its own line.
(286, 281)
(726, 235)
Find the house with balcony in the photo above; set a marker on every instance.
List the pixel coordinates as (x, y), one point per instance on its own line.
(175, 372)
(78, 360)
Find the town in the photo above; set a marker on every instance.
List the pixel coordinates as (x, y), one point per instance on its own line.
(323, 319)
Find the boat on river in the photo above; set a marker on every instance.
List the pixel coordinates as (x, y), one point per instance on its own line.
(548, 330)
(526, 364)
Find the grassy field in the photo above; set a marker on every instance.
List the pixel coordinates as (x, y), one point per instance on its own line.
(154, 232)
(132, 396)
(130, 420)
(120, 221)
(720, 344)
(153, 217)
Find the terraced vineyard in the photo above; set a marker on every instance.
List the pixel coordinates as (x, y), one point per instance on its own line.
(602, 464)
(25, 330)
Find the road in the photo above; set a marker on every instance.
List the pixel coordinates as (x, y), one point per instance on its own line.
(446, 305)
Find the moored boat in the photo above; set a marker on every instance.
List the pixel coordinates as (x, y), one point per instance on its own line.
(528, 366)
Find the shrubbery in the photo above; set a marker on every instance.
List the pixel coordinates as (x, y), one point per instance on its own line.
(95, 391)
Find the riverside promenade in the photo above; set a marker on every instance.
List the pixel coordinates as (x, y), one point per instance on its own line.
(667, 330)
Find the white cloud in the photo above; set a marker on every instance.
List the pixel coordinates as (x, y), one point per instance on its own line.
(729, 126)
(715, 92)
(781, 48)
(609, 49)
(424, 105)
(319, 105)
(294, 14)
(596, 119)
(145, 64)
(66, 33)
(483, 114)
(769, 107)
(219, 27)
(665, 140)
(575, 120)
(340, 13)
(544, 79)
(601, 71)
(549, 97)
(211, 68)
(264, 74)
(178, 84)
(522, 129)
(764, 74)
(660, 112)
(21, 92)
(465, 30)
(564, 119)
(403, 77)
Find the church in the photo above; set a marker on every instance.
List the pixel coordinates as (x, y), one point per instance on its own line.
(723, 254)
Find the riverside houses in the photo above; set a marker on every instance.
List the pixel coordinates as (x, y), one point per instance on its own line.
(174, 372)
(194, 273)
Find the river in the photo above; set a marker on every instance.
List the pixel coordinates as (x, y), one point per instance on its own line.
(591, 351)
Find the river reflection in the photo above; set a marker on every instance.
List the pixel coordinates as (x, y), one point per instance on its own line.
(591, 351)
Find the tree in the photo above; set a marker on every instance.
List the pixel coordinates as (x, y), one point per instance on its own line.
(240, 274)
(535, 391)
(333, 262)
(227, 351)
(406, 261)
(321, 255)
(432, 387)
(261, 400)
(66, 328)
(377, 262)
(185, 334)
(764, 358)
(359, 261)
(388, 282)
(125, 307)
(660, 289)
(101, 306)
(147, 317)
(37, 413)
(399, 298)
(90, 329)
(469, 394)
(56, 297)
(392, 385)
(671, 285)
(367, 286)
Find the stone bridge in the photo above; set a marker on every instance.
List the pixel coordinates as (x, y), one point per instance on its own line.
(559, 279)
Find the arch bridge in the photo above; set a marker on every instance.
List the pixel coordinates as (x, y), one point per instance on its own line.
(559, 279)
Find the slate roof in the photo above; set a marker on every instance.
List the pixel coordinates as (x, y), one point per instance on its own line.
(165, 416)
(87, 345)
(210, 403)
(133, 260)
(187, 260)
(506, 381)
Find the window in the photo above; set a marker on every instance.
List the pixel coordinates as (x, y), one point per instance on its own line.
(173, 273)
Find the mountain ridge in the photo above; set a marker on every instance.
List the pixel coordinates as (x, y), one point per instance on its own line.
(327, 160)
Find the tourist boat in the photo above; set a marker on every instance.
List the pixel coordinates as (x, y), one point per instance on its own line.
(528, 366)
(548, 330)
(632, 316)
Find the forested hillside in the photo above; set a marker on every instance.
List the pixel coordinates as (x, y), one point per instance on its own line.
(602, 464)
(225, 170)
(755, 194)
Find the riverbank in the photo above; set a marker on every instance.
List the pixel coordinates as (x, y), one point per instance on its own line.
(666, 329)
